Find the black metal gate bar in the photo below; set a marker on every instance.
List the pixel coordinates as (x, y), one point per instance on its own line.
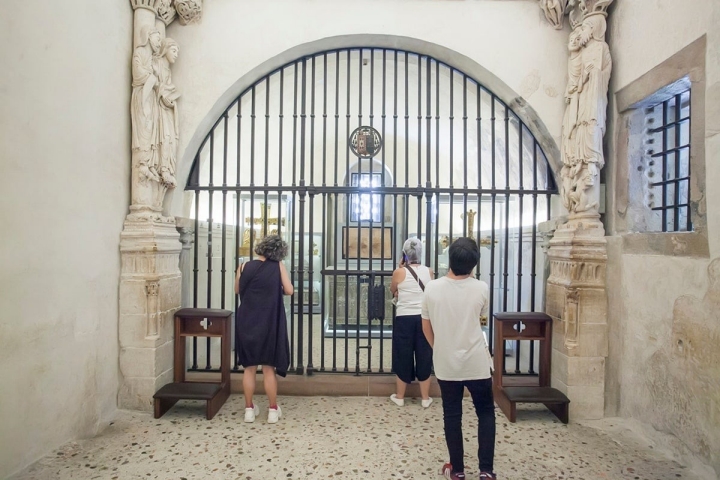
(519, 237)
(533, 274)
(490, 198)
(491, 310)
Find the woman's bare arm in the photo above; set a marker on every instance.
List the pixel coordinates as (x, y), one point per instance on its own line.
(397, 277)
(287, 285)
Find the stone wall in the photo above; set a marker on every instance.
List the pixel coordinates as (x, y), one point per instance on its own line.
(65, 129)
(662, 367)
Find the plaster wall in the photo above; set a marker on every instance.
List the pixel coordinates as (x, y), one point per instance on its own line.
(663, 365)
(64, 177)
(510, 39)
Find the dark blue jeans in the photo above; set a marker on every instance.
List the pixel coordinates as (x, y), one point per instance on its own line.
(482, 397)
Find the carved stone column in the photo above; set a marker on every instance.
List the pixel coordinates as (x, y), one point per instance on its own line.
(186, 228)
(576, 299)
(150, 285)
(150, 278)
(576, 296)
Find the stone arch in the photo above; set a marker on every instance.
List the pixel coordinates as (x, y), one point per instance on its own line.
(452, 58)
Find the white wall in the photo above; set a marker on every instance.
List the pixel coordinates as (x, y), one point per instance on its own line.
(64, 177)
(663, 365)
(510, 39)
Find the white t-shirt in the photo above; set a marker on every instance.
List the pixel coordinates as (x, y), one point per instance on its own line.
(454, 308)
(409, 292)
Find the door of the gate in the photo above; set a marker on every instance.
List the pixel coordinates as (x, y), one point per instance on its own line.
(345, 154)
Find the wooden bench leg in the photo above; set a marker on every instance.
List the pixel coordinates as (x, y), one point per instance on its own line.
(162, 406)
(506, 406)
(560, 410)
(215, 404)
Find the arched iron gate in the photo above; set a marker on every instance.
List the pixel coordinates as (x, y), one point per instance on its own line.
(438, 156)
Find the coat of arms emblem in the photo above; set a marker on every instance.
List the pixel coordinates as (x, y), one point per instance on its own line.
(365, 142)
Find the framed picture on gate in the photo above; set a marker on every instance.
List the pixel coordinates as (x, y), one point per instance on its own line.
(365, 242)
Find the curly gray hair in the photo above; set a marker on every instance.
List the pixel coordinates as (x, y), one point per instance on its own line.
(413, 250)
(272, 247)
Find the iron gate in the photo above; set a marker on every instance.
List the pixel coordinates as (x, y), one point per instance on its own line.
(345, 154)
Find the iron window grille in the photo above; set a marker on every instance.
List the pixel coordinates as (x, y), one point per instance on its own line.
(366, 206)
(672, 160)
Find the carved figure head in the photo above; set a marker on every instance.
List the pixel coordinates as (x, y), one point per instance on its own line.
(594, 26)
(155, 41)
(189, 10)
(170, 50)
(574, 41)
(150, 35)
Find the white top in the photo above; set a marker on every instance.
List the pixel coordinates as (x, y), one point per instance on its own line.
(454, 308)
(410, 294)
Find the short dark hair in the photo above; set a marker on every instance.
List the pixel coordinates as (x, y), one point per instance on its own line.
(272, 247)
(464, 255)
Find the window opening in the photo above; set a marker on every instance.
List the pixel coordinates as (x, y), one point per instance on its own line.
(366, 206)
(670, 156)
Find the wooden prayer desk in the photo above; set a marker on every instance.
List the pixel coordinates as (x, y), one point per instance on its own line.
(198, 322)
(537, 326)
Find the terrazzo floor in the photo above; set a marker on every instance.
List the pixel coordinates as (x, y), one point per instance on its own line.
(344, 438)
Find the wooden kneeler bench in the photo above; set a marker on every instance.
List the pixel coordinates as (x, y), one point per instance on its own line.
(198, 322)
(531, 326)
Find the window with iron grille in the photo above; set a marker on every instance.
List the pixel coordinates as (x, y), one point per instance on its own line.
(668, 161)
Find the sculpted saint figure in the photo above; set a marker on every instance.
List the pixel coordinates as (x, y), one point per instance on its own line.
(168, 113)
(144, 116)
(585, 116)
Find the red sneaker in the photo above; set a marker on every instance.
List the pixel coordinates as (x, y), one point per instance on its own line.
(487, 476)
(447, 472)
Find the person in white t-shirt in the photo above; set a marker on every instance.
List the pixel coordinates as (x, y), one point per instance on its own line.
(451, 311)
(411, 353)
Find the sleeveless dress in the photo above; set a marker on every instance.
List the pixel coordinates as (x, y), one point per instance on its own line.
(260, 323)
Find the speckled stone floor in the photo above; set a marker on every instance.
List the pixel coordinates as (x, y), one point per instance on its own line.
(344, 438)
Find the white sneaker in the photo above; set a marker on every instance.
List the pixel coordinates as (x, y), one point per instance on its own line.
(274, 414)
(251, 413)
(397, 401)
(427, 403)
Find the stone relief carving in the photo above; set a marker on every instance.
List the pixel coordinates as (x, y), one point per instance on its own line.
(584, 121)
(152, 289)
(166, 11)
(189, 11)
(583, 128)
(571, 314)
(588, 273)
(168, 119)
(144, 115)
(554, 11)
(154, 117)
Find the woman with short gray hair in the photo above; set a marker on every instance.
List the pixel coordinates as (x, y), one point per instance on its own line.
(411, 352)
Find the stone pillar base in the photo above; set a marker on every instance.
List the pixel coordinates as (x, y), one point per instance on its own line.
(150, 286)
(576, 298)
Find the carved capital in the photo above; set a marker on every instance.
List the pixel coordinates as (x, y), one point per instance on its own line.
(577, 273)
(166, 11)
(189, 11)
(146, 4)
(187, 236)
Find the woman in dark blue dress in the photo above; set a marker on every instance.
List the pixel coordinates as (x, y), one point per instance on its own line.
(260, 322)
